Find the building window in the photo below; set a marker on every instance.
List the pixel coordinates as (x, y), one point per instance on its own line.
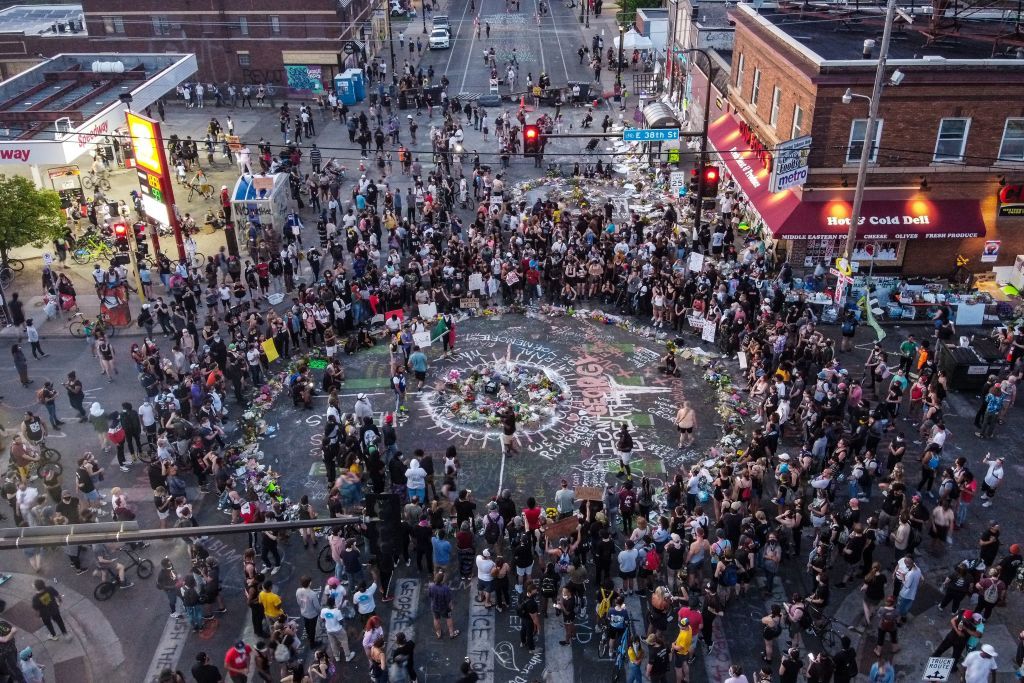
(161, 27)
(243, 59)
(858, 131)
(1012, 147)
(739, 75)
(798, 122)
(952, 140)
(113, 24)
(755, 89)
(275, 25)
(243, 26)
(776, 104)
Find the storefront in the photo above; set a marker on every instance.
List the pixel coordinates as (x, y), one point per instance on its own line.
(308, 73)
(899, 231)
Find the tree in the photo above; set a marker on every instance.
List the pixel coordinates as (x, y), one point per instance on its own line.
(27, 214)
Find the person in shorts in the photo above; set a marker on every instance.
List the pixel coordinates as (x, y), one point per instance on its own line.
(484, 578)
(440, 596)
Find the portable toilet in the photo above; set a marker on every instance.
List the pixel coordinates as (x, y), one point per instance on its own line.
(345, 90)
(358, 79)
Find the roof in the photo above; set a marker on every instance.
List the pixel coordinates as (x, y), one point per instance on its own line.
(839, 34)
(42, 20)
(713, 15)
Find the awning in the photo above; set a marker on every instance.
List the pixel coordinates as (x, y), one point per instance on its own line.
(659, 115)
(912, 216)
(750, 174)
(915, 217)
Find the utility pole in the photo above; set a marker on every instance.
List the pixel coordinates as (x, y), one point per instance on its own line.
(702, 158)
(869, 134)
(622, 40)
(391, 38)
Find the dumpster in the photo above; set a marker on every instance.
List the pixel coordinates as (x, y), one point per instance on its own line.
(967, 367)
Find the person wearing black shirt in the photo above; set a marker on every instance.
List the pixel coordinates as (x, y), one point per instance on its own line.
(1009, 565)
(845, 662)
(989, 544)
(790, 666)
(657, 658)
(204, 672)
(465, 508)
(467, 675)
(529, 618)
(46, 603)
(604, 551)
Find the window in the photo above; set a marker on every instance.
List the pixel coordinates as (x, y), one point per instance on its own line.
(798, 122)
(243, 59)
(161, 27)
(858, 131)
(243, 26)
(952, 139)
(1012, 147)
(755, 89)
(113, 24)
(275, 25)
(776, 103)
(739, 75)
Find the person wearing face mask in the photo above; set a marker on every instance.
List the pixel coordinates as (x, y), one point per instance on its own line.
(771, 559)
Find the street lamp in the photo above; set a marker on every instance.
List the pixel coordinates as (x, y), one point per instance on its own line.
(618, 70)
(423, 11)
(869, 133)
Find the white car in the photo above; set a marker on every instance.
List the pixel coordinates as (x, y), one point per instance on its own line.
(439, 39)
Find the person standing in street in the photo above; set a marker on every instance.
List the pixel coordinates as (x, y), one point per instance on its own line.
(46, 603)
(47, 396)
(993, 479)
(529, 618)
(236, 662)
(32, 335)
(20, 364)
(309, 609)
(76, 395)
(993, 408)
(204, 672)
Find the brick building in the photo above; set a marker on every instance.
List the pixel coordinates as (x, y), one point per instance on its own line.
(949, 144)
(243, 41)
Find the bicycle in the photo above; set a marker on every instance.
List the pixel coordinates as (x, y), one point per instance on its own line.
(198, 259)
(106, 589)
(147, 453)
(823, 628)
(81, 327)
(91, 248)
(94, 180)
(203, 187)
(621, 653)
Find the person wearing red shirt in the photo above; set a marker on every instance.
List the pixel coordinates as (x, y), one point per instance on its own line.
(693, 614)
(532, 513)
(236, 662)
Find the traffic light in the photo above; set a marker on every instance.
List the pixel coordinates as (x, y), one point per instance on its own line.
(121, 236)
(711, 178)
(531, 140)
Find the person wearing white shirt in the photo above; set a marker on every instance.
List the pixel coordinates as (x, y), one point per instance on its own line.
(993, 479)
(908, 591)
(979, 665)
(363, 599)
(484, 580)
(334, 627)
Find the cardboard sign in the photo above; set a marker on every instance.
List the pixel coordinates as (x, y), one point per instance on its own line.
(708, 333)
(469, 302)
(562, 528)
(421, 339)
(595, 493)
(696, 262)
(696, 321)
(271, 350)
(428, 311)
(512, 278)
(476, 282)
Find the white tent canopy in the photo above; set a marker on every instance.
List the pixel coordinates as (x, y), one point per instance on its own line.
(633, 41)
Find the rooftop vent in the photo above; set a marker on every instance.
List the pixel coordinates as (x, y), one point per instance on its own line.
(869, 45)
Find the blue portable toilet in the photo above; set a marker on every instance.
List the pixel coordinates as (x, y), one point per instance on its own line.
(345, 90)
(358, 83)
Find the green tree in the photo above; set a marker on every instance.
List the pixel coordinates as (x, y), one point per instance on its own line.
(27, 214)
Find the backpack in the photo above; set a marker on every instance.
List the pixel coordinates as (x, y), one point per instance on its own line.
(282, 653)
(991, 594)
(605, 605)
(492, 532)
(730, 577)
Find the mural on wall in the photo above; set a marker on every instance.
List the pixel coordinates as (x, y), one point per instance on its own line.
(304, 79)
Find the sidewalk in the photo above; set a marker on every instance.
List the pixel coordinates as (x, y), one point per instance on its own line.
(92, 653)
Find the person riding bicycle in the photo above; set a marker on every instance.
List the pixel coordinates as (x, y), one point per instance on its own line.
(23, 457)
(33, 431)
(106, 561)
